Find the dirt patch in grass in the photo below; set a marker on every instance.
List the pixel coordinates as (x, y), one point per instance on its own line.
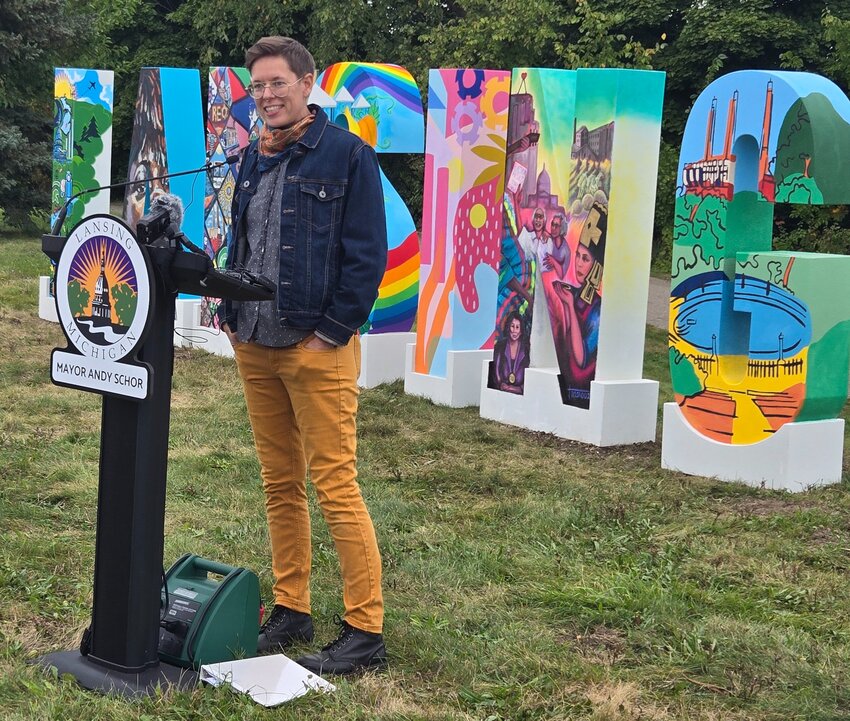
(39, 634)
(755, 507)
(638, 451)
(823, 535)
(622, 702)
(599, 644)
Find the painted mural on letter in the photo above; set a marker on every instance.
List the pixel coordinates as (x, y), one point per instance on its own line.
(381, 104)
(232, 123)
(758, 338)
(167, 137)
(462, 213)
(82, 141)
(555, 227)
(536, 254)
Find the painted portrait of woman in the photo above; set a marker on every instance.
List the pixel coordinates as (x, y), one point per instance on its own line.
(582, 308)
(510, 356)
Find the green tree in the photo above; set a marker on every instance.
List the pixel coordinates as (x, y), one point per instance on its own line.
(127, 36)
(125, 301)
(78, 298)
(35, 35)
(91, 131)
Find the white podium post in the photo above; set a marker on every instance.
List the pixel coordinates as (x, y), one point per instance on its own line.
(187, 315)
(46, 302)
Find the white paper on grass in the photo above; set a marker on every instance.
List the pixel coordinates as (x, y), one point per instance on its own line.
(269, 680)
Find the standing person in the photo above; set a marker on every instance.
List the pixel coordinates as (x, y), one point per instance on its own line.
(558, 257)
(308, 213)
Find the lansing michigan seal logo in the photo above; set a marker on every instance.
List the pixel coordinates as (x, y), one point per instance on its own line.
(103, 301)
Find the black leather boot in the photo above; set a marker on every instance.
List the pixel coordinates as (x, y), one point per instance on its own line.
(353, 651)
(282, 628)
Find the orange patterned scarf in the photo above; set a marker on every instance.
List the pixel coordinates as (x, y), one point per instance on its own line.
(274, 140)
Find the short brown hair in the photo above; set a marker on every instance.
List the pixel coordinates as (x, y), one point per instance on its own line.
(296, 55)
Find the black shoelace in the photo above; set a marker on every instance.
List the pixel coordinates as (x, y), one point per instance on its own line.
(279, 615)
(345, 635)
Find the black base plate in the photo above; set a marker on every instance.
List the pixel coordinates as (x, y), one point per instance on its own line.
(117, 683)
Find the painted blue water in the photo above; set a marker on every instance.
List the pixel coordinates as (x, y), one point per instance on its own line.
(780, 323)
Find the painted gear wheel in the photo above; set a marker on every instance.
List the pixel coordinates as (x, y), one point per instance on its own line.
(467, 133)
(467, 92)
(494, 119)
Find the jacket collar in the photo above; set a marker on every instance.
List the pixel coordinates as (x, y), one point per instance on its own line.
(311, 138)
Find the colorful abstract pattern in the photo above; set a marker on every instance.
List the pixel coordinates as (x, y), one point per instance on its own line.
(167, 138)
(82, 141)
(232, 123)
(462, 213)
(381, 104)
(758, 338)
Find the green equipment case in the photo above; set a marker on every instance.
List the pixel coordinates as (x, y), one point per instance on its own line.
(211, 613)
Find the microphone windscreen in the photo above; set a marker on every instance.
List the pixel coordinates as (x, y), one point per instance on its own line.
(171, 203)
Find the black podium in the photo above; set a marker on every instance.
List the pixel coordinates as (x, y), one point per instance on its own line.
(119, 654)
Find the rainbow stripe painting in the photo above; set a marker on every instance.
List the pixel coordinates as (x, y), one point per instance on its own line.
(381, 104)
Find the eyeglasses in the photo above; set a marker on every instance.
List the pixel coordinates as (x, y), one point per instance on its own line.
(279, 88)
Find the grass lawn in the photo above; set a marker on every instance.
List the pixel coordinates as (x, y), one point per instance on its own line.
(526, 577)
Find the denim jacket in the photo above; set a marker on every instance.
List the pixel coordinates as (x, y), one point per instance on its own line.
(333, 232)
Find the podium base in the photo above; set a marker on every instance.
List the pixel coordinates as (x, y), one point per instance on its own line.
(108, 681)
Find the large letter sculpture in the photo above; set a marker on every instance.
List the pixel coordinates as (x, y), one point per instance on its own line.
(579, 198)
(232, 122)
(82, 152)
(461, 233)
(381, 104)
(758, 339)
(168, 137)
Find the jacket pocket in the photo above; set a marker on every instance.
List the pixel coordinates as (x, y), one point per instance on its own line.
(321, 220)
(321, 204)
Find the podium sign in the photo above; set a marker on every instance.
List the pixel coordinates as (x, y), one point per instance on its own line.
(103, 299)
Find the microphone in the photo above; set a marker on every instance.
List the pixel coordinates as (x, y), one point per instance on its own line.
(63, 211)
(172, 205)
(163, 220)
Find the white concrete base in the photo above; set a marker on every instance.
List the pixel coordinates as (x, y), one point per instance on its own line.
(797, 457)
(46, 302)
(620, 413)
(460, 387)
(187, 316)
(212, 340)
(382, 358)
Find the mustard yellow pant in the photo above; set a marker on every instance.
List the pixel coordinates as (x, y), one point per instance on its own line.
(302, 404)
